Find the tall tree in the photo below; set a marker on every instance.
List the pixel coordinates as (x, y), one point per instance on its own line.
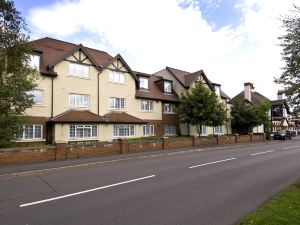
(200, 106)
(16, 76)
(246, 116)
(290, 41)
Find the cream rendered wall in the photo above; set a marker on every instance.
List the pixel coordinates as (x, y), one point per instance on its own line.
(43, 110)
(127, 90)
(61, 133)
(66, 84)
(178, 88)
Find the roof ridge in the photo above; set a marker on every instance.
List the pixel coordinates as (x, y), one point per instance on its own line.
(67, 42)
(178, 69)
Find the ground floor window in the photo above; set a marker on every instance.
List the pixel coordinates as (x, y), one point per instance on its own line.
(148, 130)
(202, 130)
(170, 130)
(32, 131)
(218, 130)
(123, 131)
(83, 131)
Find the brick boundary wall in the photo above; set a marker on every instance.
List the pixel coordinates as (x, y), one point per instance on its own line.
(63, 151)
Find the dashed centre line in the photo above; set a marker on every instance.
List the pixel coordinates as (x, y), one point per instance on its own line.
(259, 153)
(291, 147)
(205, 164)
(86, 191)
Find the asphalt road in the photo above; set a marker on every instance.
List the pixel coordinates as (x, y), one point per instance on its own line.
(216, 186)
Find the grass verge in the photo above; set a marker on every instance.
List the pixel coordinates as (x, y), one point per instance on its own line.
(283, 209)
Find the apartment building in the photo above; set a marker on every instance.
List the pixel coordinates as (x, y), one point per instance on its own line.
(84, 94)
(182, 81)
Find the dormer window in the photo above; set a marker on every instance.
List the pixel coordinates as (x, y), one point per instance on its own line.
(34, 62)
(144, 82)
(167, 86)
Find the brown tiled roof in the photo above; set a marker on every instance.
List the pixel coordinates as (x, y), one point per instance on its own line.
(187, 78)
(154, 91)
(78, 116)
(178, 74)
(121, 117)
(256, 98)
(53, 50)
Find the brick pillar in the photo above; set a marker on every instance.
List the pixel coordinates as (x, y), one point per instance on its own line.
(251, 137)
(61, 151)
(194, 141)
(265, 136)
(124, 145)
(164, 142)
(236, 138)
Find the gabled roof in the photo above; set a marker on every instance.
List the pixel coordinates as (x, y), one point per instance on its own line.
(282, 102)
(54, 51)
(186, 79)
(119, 57)
(154, 92)
(77, 116)
(256, 98)
(122, 117)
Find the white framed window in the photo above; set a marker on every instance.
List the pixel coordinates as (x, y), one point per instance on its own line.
(169, 108)
(146, 105)
(32, 131)
(218, 130)
(123, 130)
(34, 61)
(202, 130)
(79, 70)
(117, 77)
(167, 86)
(37, 96)
(144, 82)
(83, 131)
(170, 130)
(117, 103)
(148, 130)
(77, 100)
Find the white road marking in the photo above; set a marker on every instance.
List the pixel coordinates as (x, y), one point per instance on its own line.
(291, 147)
(205, 164)
(86, 191)
(259, 153)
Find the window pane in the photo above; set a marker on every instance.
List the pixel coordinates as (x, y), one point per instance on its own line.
(28, 131)
(72, 131)
(94, 131)
(34, 61)
(38, 131)
(79, 70)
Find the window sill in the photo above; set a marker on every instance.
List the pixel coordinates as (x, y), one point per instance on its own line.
(116, 83)
(80, 107)
(144, 111)
(84, 139)
(31, 140)
(38, 105)
(169, 112)
(84, 78)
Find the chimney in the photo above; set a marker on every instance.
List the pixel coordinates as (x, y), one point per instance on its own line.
(280, 95)
(248, 89)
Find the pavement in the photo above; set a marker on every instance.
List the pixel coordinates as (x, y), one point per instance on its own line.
(214, 185)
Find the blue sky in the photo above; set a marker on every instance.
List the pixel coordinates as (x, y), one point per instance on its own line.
(233, 41)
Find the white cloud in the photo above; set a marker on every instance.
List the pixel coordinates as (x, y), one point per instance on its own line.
(153, 34)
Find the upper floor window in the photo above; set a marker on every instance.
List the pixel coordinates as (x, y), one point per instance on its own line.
(77, 100)
(83, 131)
(144, 82)
(117, 103)
(117, 77)
(169, 108)
(167, 86)
(147, 105)
(34, 61)
(32, 131)
(37, 96)
(79, 70)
